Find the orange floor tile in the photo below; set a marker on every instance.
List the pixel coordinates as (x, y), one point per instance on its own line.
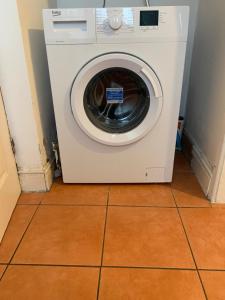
(20, 219)
(145, 284)
(141, 195)
(77, 194)
(151, 237)
(214, 283)
(63, 235)
(48, 283)
(187, 191)
(142, 241)
(206, 233)
(31, 198)
(2, 269)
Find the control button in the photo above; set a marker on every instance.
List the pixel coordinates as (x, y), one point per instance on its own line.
(115, 22)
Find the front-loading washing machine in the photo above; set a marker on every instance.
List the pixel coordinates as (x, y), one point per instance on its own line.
(116, 77)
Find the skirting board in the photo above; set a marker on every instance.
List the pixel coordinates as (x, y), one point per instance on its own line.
(37, 181)
(217, 193)
(201, 166)
(220, 196)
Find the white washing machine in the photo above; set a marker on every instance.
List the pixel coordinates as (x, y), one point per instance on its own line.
(116, 77)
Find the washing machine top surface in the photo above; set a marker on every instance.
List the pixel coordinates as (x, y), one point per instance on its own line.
(116, 25)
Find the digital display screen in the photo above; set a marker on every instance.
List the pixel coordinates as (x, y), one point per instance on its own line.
(149, 18)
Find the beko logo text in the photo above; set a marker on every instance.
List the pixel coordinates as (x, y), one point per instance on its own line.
(56, 13)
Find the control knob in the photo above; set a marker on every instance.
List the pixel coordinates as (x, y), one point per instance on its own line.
(115, 22)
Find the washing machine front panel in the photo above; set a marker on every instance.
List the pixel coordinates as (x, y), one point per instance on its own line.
(116, 99)
(80, 45)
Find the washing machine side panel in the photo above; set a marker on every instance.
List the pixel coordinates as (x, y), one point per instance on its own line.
(84, 160)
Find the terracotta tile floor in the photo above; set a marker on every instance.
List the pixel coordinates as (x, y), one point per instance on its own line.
(135, 242)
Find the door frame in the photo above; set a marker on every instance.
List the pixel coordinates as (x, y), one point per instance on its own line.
(10, 185)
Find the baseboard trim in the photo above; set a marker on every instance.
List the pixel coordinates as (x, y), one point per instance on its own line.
(217, 192)
(201, 166)
(37, 180)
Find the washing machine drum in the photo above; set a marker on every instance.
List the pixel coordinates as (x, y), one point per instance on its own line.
(116, 99)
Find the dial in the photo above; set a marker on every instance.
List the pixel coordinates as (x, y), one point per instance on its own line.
(115, 22)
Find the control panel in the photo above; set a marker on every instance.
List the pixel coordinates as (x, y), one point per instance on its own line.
(142, 24)
(116, 25)
(127, 19)
(114, 19)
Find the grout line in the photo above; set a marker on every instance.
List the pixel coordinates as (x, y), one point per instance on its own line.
(53, 265)
(114, 267)
(139, 206)
(4, 272)
(24, 234)
(183, 172)
(119, 205)
(192, 253)
(32, 204)
(55, 204)
(101, 205)
(149, 268)
(103, 245)
(212, 270)
(155, 206)
(171, 192)
(20, 240)
(193, 207)
(105, 267)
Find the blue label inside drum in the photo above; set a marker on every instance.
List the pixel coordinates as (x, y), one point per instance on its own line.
(114, 95)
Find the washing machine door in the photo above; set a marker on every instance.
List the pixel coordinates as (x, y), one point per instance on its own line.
(116, 99)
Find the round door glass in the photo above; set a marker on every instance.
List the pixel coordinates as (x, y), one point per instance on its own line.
(116, 100)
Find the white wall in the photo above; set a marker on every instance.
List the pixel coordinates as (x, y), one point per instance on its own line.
(15, 86)
(30, 12)
(206, 101)
(26, 91)
(193, 15)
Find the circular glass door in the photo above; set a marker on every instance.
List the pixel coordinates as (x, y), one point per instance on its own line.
(116, 99)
